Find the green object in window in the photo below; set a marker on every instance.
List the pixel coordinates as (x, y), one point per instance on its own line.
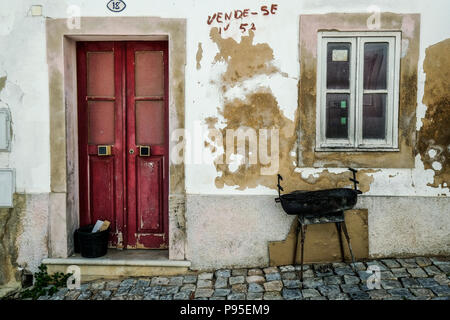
(343, 104)
(343, 121)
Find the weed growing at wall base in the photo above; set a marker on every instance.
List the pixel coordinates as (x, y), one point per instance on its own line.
(45, 284)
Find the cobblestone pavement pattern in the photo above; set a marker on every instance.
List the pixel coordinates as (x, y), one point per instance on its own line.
(417, 278)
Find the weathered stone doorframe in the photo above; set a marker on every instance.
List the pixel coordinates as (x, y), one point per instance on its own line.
(61, 58)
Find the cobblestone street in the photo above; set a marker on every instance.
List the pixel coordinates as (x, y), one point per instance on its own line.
(412, 279)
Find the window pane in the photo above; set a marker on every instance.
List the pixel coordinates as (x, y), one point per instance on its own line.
(374, 116)
(101, 122)
(100, 73)
(149, 73)
(375, 65)
(338, 65)
(337, 116)
(149, 122)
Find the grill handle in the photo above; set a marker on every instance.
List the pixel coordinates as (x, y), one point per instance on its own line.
(355, 182)
(280, 188)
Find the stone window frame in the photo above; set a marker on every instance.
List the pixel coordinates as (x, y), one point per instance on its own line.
(355, 141)
(309, 25)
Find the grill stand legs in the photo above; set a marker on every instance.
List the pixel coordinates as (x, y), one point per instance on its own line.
(302, 229)
(344, 228)
(341, 245)
(296, 243)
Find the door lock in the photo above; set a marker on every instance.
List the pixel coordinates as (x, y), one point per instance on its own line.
(131, 151)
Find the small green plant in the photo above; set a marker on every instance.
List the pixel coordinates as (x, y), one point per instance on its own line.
(45, 284)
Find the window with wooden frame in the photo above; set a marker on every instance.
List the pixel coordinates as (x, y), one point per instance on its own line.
(357, 91)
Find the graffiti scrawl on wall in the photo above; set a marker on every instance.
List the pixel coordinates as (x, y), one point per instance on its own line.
(223, 20)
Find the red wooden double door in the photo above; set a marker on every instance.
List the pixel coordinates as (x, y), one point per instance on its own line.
(123, 140)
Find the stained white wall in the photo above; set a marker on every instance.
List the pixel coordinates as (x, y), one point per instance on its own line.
(23, 61)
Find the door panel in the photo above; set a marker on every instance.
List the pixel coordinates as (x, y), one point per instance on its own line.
(149, 72)
(100, 73)
(149, 195)
(147, 125)
(100, 122)
(123, 103)
(150, 126)
(101, 169)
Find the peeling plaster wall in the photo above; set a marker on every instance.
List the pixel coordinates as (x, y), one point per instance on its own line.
(23, 238)
(226, 75)
(10, 224)
(258, 93)
(23, 90)
(405, 175)
(434, 135)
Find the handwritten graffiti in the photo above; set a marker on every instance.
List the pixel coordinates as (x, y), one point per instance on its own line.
(223, 20)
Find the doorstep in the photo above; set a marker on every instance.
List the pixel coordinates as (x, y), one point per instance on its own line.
(121, 263)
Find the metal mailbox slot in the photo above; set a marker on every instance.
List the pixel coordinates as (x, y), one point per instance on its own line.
(103, 150)
(7, 178)
(5, 128)
(144, 151)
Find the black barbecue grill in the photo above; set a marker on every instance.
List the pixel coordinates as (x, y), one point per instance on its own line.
(316, 207)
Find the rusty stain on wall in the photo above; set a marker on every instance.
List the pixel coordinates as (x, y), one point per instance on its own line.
(2, 82)
(244, 59)
(260, 110)
(434, 135)
(322, 242)
(211, 122)
(199, 55)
